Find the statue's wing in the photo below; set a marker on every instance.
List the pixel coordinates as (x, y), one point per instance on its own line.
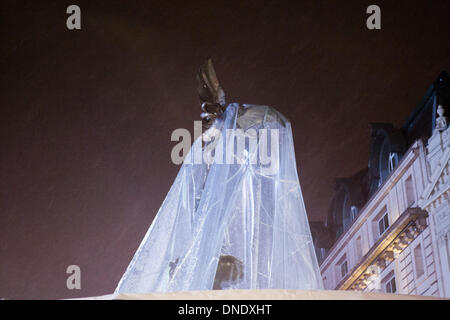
(211, 93)
(209, 88)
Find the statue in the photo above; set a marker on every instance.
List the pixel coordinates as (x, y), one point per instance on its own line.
(441, 121)
(236, 223)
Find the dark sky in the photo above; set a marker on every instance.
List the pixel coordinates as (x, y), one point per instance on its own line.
(86, 116)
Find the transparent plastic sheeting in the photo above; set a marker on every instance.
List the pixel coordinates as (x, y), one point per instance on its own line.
(240, 225)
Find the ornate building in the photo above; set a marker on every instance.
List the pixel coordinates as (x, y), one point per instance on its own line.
(388, 225)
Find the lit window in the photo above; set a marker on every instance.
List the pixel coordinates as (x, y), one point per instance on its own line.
(390, 286)
(383, 224)
(418, 261)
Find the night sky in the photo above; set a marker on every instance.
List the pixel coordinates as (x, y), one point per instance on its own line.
(86, 116)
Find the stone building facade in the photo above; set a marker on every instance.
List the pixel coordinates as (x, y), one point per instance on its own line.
(388, 225)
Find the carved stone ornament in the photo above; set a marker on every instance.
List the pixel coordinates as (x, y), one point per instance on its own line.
(441, 121)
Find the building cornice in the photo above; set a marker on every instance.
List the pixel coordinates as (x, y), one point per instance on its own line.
(396, 238)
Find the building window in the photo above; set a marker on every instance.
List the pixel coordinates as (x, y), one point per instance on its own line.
(390, 286)
(346, 213)
(358, 248)
(418, 261)
(393, 161)
(344, 269)
(384, 161)
(388, 161)
(388, 283)
(341, 267)
(354, 212)
(409, 190)
(383, 224)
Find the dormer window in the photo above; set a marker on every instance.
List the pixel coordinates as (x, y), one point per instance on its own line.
(388, 145)
(354, 212)
(393, 161)
(346, 212)
(388, 161)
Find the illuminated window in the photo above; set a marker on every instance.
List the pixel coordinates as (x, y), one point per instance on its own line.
(383, 224)
(418, 261)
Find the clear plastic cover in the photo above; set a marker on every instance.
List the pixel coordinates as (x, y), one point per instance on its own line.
(225, 224)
